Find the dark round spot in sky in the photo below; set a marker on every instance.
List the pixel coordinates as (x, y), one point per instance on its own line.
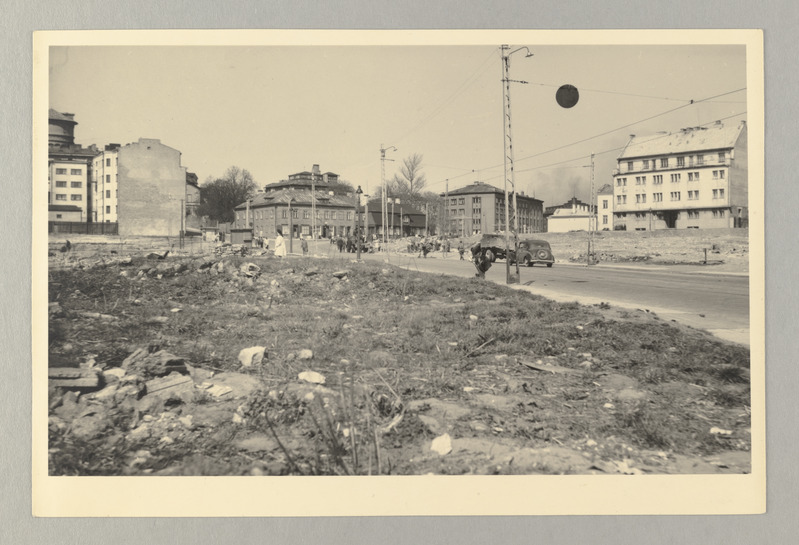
(567, 96)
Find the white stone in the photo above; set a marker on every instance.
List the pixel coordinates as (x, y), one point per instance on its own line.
(311, 376)
(253, 355)
(442, 444)
(305, 354)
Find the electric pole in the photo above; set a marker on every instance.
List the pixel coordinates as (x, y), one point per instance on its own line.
(383, 201)
(508, 160)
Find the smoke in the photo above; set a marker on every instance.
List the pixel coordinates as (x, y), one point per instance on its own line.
(557, 186)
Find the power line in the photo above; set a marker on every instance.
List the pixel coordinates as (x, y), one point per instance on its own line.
(691, 103)
(633, 94)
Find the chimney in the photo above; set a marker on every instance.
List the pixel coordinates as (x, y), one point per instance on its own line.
(315, 170)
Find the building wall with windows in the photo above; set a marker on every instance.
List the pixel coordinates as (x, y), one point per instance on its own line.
(480, 208)
(69, 166)
(573, 215)
(694, 179)
(604, 208)
(105, 185)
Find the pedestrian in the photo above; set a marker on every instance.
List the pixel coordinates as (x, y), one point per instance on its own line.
(340, 244)
(482, 258)
(304, 245)
(280, 245)
(461, 249)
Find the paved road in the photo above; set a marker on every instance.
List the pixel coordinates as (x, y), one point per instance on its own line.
(696, 297)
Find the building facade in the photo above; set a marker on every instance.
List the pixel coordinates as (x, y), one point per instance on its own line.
(696, 178)
(480, 208)
(604, 208)
(69, 168)
(573, 215)
(142, 187)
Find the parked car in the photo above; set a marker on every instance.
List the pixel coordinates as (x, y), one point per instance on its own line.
(532, 251)
(495, 243)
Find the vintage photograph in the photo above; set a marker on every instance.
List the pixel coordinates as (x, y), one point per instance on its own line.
(473, 258)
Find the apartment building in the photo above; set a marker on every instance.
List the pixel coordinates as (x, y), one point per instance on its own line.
(69, 169)
(604, 208)
(573, 215)
(142, 187)
(480, 208)
(696, 178)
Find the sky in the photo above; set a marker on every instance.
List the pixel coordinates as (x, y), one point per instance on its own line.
(277, 110)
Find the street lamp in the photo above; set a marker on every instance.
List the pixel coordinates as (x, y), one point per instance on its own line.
(508, 157)
(383, 201)
(358, 192)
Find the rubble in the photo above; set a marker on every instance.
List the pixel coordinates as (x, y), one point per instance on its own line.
(156, 364)
(75, 378)
(253, 355)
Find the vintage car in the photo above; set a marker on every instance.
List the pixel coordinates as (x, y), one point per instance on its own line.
(532, 251)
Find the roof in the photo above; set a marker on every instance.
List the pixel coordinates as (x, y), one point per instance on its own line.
(716, 137)
(56, 115)
(406, 209)
(481, 188)
(606, 189)
(300, 197)
(63, 208)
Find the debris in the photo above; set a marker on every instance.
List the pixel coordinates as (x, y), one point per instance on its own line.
(217, 390)
(489, 341)
(472, 317)
(173, 383)
(156, 320)
(305, 354)
(157, 364)
(442, 444)
(431, 423)
(469, 389)
(250, 270)
(554, 369)
(311, 376)
(176, 310)
(718, 431)
(70, 377)
(608, 405)
(340, 274)
(253, 355)
(590, 443)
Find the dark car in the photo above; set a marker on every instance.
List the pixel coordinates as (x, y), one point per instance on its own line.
(532, 251)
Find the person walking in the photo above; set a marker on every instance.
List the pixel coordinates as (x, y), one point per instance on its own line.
(304, 245)
(461, 249)
(280, 245)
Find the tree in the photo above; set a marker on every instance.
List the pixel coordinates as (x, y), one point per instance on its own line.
(219, 197)
(411, 181)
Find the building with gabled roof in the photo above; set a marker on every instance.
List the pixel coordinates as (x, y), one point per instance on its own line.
(690, 179)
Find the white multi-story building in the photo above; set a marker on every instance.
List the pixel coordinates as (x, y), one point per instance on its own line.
(691, 179)
(105, 185)
(604, 208)
(69, 167)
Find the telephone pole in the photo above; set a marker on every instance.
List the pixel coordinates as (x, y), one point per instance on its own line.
(508, 160)
(383, 200)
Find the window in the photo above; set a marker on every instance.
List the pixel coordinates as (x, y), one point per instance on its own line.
(349, 215)
(690, 176)
(284, 214)
(693, 214)
(76, 171)
(107, 193)
(640, 199)
(722, 156)
(675, 195)
(715, 174)
(476, 200)
(637, 180)
(629, 165)
(624, 199)
(294, 213)
(664, 163)
(696, 176)
(675, 178)
(108, 162)
(721, 174)
(76, 197)
(721, 213)
(453, 201)
(680, 161)
(461, 200)
(604, 220)
(657, 179)
(107, 209)
(60, 171)
(58, 216)
(646, 163)
(618, 199)
(657, 197)
(77, 185)
(693, 195)
(604, 204)
(108, 178)
(721, 193)
(61, 183)
(306, 214)
(60, 196)
(700, 159)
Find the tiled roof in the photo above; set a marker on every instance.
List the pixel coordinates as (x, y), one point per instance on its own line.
(483, 188)
(300, 197)
(716, 137)
(606, 189)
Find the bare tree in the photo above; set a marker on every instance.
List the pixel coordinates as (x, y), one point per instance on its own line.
(218, 197)
(411, 181)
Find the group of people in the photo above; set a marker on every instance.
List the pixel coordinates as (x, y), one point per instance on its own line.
(348, 243)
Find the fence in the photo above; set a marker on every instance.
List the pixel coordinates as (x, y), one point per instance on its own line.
(83, 228)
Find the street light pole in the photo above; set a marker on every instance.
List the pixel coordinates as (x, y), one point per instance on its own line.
(508, 159)
(291, 228)
(383, 201)
(358, 192)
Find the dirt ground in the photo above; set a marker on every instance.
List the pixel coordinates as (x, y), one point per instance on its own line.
(211, 363)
